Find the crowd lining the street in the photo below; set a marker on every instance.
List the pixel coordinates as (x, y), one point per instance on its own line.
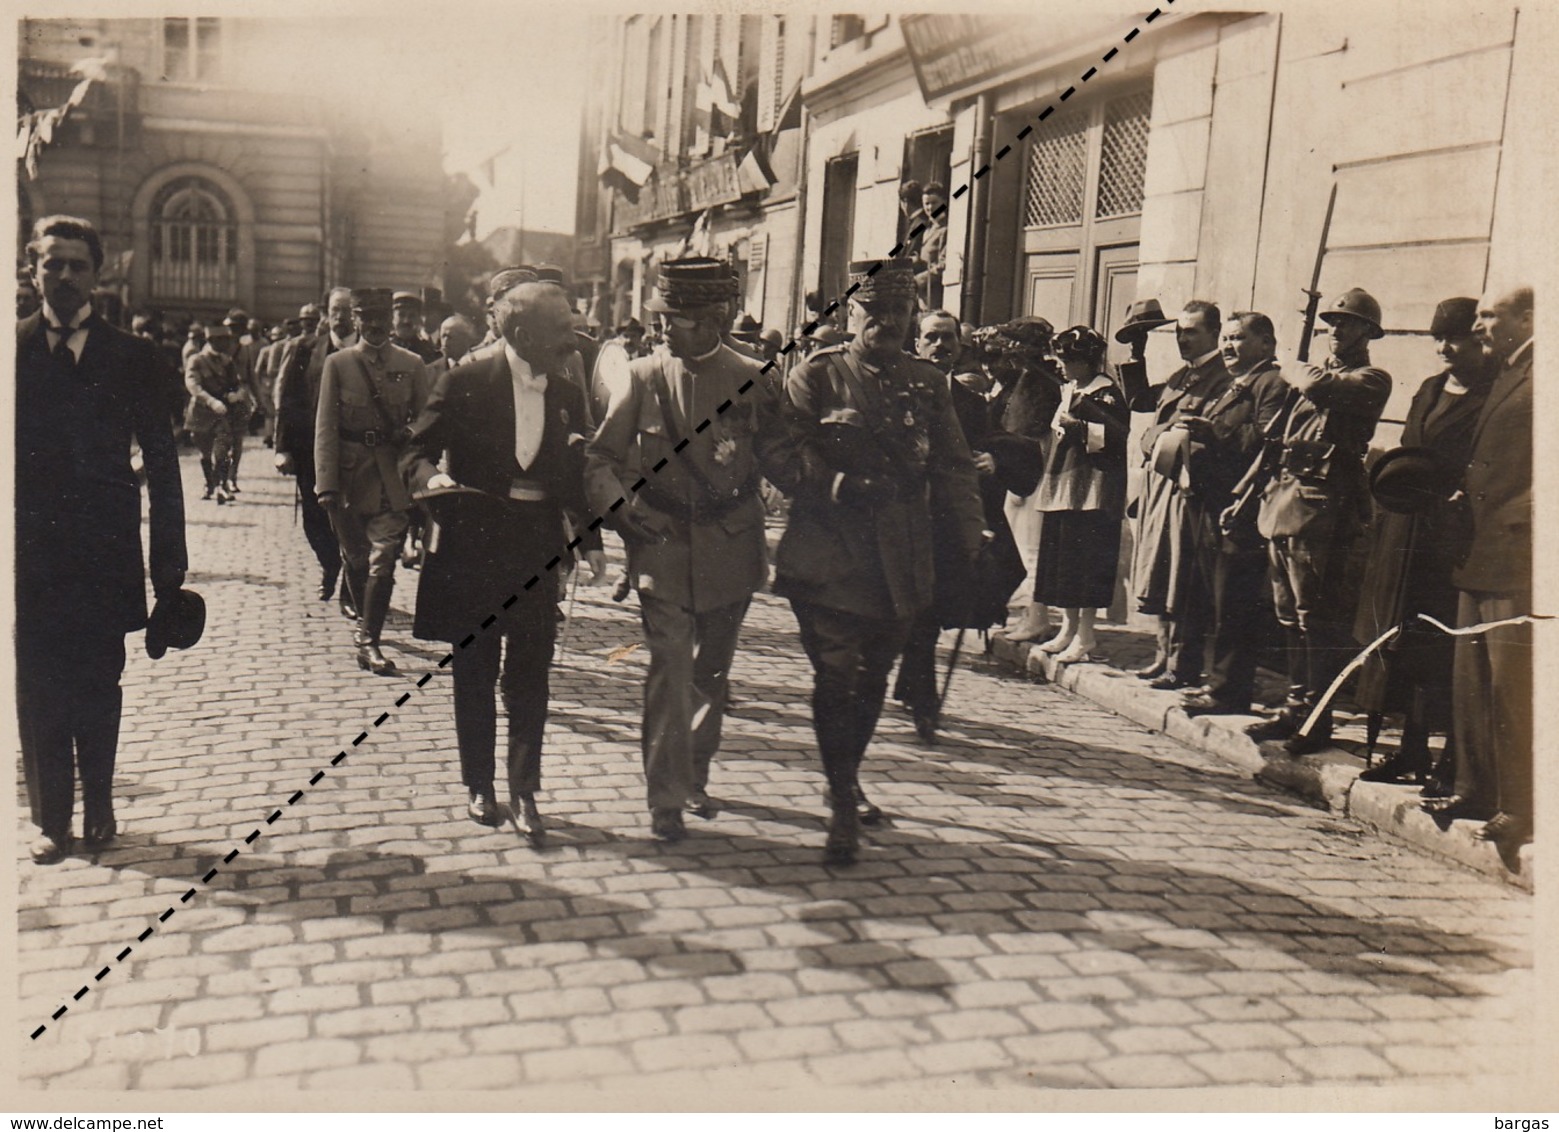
(933, 475)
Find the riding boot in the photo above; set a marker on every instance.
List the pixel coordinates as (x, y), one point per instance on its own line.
(376, 601)
(353, 598)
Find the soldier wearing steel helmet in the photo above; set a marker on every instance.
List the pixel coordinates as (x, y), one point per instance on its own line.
(1311, 510)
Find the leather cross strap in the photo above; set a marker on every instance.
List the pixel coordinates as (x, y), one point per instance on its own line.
(376, 395)
(715, 498)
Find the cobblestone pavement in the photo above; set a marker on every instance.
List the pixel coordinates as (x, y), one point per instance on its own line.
(1061, 900)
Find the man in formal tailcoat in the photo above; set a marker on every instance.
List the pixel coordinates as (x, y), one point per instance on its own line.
(510, 427)
(1230, 569)
(1312, 510)
(694, 529)
(297, 408)
(84, 391)
(1162, 555)
(868, 445)
(369, 395)
(1492, 670)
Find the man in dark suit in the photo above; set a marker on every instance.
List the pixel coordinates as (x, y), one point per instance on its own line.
(867, 439)
(511, 426)
(297, 405)
(1492, 673)
(694, 530)
(1311, 511)
(1161, 574)
(916, 686)
(368, 397)
(1230, 569)
(84, 391)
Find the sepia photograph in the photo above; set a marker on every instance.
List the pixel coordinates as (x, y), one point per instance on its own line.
(757, 559)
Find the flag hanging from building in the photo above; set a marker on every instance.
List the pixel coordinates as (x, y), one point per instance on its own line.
(35, 128)
(626, 163)
(716, 109)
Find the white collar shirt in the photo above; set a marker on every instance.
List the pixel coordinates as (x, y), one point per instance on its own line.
(530, 407)
(74, 332)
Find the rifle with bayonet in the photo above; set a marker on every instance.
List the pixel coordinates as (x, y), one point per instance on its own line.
(1248, 492)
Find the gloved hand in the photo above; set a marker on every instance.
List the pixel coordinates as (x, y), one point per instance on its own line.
(866, 491)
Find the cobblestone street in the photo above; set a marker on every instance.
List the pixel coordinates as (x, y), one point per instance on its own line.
(1062, 899)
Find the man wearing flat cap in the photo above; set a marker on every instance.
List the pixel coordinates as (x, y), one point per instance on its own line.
(1415, 546)
(694, 529)
(406, 326)
(1312, 510)
(510, 429)
(868, 445)
(368, 397)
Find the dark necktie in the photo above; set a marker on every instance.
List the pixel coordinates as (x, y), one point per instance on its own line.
(61, 350)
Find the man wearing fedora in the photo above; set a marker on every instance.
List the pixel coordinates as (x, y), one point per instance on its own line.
(1493, 670)
(84, 391)
(868, 443)
(368, 397)
(1163, 576)
(694, 529)
(1415, 544)
(1312, 510)
(509, 426)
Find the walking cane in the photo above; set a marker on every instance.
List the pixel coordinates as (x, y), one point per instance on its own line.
(568, 617)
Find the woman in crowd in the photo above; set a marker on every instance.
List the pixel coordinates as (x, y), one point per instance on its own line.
(1081, 497)
(1016, 357)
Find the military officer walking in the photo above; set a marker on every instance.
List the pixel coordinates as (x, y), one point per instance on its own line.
(694, 529)
(1311, 511)
(868, 439)
(368, 397)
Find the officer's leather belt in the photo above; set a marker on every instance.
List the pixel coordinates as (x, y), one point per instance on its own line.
(527, 491)
(370, 437)
(694, 511)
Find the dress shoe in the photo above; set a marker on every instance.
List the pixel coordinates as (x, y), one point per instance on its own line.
(1436, 787)
(209, 490)
(483, 807)
(844, 837)
(327, 583)
(1280, 726)
(666, 825)
(95, 834)
(1058, 643)
(527, 818)
(47, 850)
(1507, 830)
(1078, 652)
(348, 609)
(1204, 704)
(1170, 682)
(700, 805)
(1455, 807)
(1317, 741)
(1034, 625)
(925, 726)
(1151, 671)
(1403, 768)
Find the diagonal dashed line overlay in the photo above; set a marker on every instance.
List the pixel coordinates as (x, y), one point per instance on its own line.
(595, 524)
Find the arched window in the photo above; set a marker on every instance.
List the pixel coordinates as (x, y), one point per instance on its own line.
(194, 242)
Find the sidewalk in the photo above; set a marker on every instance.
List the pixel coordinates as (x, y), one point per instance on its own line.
(1329, 779)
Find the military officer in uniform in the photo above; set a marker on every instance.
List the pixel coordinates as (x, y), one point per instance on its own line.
(868, 439)
(694, 529)
(510, 429)
(297, 406)
(1311, 511)
(406, 327)
(368, 397)
(216, 407)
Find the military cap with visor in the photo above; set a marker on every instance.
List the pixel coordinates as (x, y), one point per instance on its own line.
(365, 299)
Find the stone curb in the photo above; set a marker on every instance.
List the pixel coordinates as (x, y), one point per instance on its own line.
(1328, 779)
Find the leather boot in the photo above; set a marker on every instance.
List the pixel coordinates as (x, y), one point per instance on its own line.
(354, 582)
(377, 602)
(844, 835)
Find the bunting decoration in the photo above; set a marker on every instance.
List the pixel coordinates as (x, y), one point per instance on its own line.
(626, 164)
